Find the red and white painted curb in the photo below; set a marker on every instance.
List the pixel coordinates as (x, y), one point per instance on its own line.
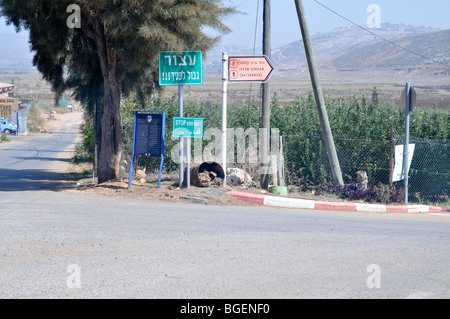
(286, 202)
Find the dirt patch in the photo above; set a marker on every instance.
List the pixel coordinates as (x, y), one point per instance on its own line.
(55, 121)
(169, 191)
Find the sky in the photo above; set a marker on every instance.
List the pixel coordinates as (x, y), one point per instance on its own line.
(285, 26)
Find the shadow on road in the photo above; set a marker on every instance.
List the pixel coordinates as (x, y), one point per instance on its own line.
(35, 180)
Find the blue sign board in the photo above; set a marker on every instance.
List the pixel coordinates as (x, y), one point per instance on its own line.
(148, 141)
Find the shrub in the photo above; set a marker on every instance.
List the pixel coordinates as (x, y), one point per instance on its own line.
(374, 193)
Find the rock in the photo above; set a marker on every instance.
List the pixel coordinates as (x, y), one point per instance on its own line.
(205, 178)
(140, 174)
(363, 181)
(237, 177)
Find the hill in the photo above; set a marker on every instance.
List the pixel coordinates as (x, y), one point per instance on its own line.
(398, 55)
(343, 50)
(353, 49)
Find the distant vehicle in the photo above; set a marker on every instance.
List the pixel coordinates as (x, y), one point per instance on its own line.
(7, 127)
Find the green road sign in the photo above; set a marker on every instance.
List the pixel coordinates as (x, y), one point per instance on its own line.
(184, 69)
(187, 127)
(64, 102)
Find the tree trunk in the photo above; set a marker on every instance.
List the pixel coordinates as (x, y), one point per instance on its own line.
(111, 129)
(111, 138)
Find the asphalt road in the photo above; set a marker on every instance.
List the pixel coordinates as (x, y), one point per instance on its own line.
(138, 249)
(38, 161)
(56, 244)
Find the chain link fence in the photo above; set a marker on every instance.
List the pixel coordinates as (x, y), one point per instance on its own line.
(429, 174)
(307, 166)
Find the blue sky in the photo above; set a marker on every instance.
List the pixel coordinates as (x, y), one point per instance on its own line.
(285, 27)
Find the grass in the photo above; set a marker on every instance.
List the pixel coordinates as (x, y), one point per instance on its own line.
(3, 138)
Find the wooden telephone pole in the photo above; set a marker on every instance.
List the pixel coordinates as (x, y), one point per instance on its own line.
(324, 122)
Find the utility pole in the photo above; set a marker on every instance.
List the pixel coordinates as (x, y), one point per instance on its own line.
(324, 122)
(265, 138)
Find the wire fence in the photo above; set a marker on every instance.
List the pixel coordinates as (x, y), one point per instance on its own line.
(307, 166)
(429, 174)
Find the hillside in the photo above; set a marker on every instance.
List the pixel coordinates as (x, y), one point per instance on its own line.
(384, 55)
(341, 50)
(353, 49)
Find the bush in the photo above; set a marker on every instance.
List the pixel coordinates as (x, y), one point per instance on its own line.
(361, 130)
(3, 138)
(36, 120)
(374, 193)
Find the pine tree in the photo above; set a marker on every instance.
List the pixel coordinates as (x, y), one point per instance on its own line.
(112, 50)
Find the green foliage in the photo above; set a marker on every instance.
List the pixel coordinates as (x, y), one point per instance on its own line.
(84, 151)
(36, 120)
(3, 138)
(356, 127)
(361, 133)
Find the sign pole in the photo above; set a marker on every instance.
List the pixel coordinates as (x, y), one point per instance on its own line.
(163, 141)
(180, 105)
(188, 159)
(130, 177)
(224, 115)
(406, 146)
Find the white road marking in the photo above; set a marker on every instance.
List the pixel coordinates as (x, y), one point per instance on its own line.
(420, 295)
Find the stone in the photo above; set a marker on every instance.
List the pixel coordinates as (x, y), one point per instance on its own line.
(237, 177)
(140, 174)
(362, 179)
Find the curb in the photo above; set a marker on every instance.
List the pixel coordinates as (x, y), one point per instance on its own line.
(286, 202)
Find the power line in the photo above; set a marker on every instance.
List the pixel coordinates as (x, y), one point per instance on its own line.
(382, 38)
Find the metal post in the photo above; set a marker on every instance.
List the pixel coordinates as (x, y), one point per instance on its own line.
(324, 122)
(188, 159)
(180, 105)
(406, 146)
(265, 125)
(224, 115)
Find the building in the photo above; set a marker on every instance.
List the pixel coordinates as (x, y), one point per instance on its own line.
(8, 105)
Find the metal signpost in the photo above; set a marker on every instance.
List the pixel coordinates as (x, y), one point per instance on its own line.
(178, 70)
(410, 97)
(240, 69)
(149, 138)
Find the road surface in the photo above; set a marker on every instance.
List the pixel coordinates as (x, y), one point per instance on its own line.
(39, 161)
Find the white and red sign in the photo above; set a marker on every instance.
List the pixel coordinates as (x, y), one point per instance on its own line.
(249, 69)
